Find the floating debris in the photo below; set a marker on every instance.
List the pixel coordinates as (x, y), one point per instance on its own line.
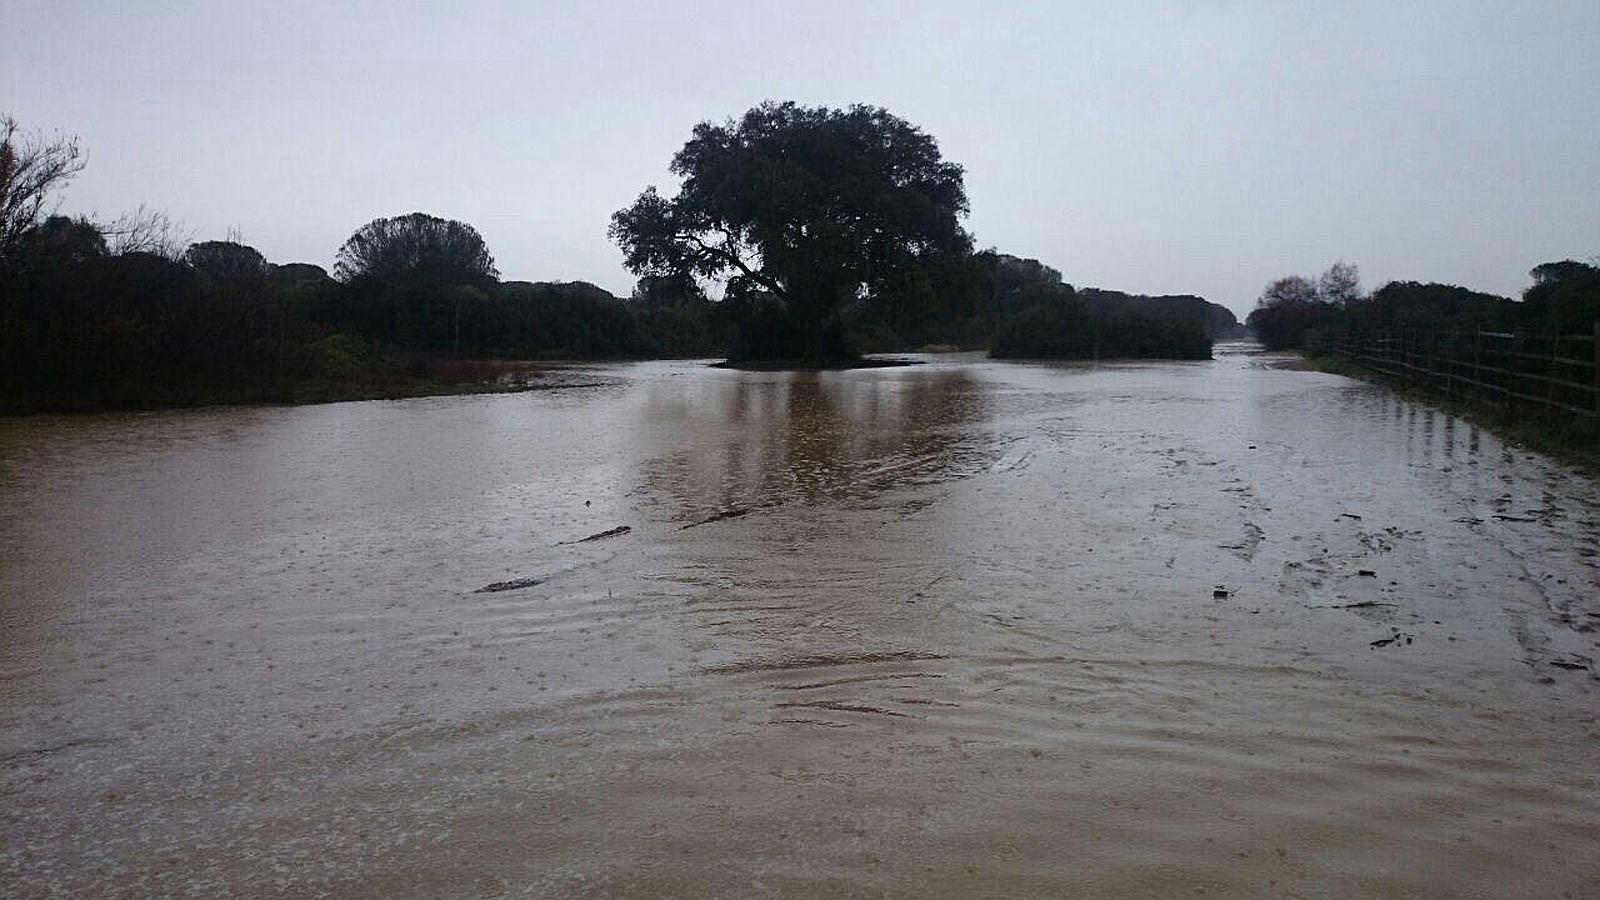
(512, 585)
(619, 530)
(727, 514)
(1394, 639)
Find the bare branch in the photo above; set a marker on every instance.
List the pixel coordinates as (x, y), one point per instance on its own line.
(732, 258)
(146, 230)
(31, 168)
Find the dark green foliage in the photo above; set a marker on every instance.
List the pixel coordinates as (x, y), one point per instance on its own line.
(59, 240)
(134, 329)
(416, 249)
(1021, 308)
(412, 277)
(340, 357)
(1216, 321)
(1289, 308)
(1133, 333)
(1402, 305)
(1104, 325)
(677, 319)
(945, 299)
(572, 320)
(1038, 316)
(1056, 328)
(763, 327)
(830, 230)
(81, 328)
(817, 207)
(1564, 298)
(225, 264)
(1223, 325)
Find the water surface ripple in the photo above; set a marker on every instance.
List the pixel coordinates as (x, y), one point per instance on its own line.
(957, 629)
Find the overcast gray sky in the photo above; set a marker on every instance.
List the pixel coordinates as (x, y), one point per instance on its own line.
(1151, 147)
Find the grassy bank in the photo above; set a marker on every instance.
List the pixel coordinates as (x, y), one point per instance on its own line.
(438, 378)
(380, 377)
(1572, 440)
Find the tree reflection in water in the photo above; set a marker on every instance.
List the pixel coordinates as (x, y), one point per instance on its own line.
(811, 437)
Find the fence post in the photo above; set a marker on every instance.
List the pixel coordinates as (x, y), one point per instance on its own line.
(1450, 362)
(1516, 375)
(1513, 377)
(1596, 370)
(1441, 358)
(1430, 358)
(1477, 359)
(1552, 373)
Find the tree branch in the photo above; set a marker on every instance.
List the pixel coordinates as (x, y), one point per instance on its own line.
(733, 259)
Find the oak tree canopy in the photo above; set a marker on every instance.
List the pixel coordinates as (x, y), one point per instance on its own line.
(812, 206)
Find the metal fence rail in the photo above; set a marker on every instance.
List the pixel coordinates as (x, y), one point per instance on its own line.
(1522, 373)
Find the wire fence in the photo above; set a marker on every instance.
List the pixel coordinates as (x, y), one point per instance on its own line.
(1523, 374)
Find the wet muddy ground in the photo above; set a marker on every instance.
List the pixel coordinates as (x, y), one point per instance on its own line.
(958, 629)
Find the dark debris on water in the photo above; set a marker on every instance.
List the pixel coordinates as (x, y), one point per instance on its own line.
(512, 585)
(600, 536)
(726, 514)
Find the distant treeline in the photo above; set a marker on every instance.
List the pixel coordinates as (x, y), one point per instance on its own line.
(822, 234)
(83, 327)
(1021, 308)
(1564, 299)
(86, 327)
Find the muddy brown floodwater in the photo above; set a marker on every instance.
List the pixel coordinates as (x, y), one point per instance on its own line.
(959, 629)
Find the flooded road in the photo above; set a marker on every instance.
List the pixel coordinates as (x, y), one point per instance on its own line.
(959, 629)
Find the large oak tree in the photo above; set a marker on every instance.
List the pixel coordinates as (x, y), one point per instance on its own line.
(812, 205)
